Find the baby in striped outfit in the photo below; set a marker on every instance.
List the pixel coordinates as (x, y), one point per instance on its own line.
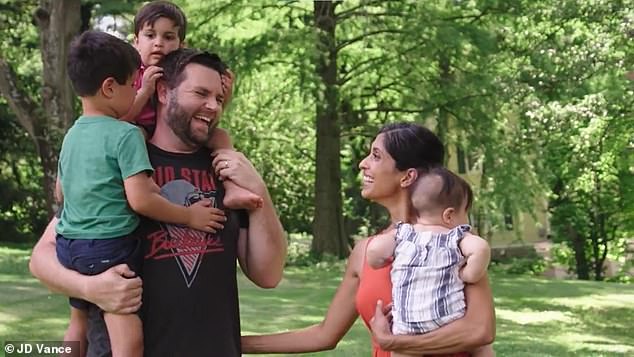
(433, 258)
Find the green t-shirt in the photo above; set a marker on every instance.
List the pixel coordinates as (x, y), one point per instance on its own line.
(98, 153)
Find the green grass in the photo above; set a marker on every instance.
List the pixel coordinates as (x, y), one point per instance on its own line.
(535, 317)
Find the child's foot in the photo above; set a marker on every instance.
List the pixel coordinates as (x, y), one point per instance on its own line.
(237, 197)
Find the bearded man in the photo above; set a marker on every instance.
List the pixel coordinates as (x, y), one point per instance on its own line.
(188, 281)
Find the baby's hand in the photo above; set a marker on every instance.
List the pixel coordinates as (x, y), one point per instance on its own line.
(204, 217)
(151, 74)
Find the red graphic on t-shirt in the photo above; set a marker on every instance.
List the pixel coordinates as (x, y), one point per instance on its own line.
(187, 246)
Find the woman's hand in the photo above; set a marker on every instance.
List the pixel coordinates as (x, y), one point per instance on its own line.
(380, 325)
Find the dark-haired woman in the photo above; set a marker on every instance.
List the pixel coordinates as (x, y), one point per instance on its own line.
(400, 153)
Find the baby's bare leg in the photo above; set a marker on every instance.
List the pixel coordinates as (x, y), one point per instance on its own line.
(236, 197)
(126, 334)
(77, 329)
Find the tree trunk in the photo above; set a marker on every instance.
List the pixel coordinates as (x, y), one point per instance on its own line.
(579, 247)
(58, 22)
(328, 225)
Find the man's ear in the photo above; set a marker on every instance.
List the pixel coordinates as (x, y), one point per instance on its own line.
(411, 175)
(183, 44)
(161, 91)
(448, 215)
(107, 87)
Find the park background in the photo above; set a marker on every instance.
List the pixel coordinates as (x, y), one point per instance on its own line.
(533, 99)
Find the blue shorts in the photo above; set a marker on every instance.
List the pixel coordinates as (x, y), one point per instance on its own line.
(94, 256)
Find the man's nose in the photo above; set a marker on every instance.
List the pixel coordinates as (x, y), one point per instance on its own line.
(211, 103)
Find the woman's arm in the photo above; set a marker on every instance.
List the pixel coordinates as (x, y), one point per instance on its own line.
(114, 290)
(323, 336)
(476, 328)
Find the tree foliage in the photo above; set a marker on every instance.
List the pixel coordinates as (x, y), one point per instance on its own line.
(534, 93)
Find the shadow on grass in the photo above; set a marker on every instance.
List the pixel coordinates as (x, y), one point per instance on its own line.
(538, 317)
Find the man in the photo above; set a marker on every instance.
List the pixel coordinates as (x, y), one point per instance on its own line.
(190, 302)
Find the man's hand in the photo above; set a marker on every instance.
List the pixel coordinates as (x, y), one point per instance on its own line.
(117, 290)
(234, 166)
(204, 217)
(380, 325)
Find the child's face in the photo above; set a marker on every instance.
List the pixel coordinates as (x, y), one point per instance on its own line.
(155, 41)
(123, 95)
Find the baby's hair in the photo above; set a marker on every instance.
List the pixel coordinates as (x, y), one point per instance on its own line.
(440, 189)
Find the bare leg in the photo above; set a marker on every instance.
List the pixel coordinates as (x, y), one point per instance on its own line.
(237, 197)
(484, 351)
(77, 329)
(126, 334)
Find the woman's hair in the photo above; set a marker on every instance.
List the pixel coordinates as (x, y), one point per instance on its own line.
(413, 146)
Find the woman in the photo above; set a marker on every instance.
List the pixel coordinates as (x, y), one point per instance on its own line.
(399, 154)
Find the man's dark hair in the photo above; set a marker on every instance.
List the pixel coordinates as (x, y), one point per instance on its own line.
(175, 62)
(154, 10)
(413, 146)
(453, 191)
(95, 56)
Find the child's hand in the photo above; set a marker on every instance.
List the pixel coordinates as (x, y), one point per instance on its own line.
(227, 86)
(150, 76)
(204, 217)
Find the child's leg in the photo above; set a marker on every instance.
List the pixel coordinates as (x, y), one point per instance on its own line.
(126, 334)
(235, 196)
(484, 351)
(77, 329)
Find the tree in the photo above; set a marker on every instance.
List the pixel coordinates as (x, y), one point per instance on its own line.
(57, 23)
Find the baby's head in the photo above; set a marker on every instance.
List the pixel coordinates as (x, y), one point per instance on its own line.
(442, 197)
(159, 28)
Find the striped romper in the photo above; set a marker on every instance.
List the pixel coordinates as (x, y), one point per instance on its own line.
(427, 291)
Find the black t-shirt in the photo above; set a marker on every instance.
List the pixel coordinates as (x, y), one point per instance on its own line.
(190, 294)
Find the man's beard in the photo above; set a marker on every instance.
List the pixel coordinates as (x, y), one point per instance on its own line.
(180, 122)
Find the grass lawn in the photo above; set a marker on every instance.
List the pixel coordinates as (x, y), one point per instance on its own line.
(535, 317)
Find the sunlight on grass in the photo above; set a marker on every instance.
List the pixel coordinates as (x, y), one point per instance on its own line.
(583, 341)
(596, 300)
(533, 317)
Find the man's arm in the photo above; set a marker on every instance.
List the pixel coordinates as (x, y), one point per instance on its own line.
(261, 248)
(476, 328)
(115, 290)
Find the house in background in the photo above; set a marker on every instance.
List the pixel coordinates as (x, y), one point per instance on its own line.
(507, 230)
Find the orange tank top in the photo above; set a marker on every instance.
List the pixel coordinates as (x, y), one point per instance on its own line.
(374, 285)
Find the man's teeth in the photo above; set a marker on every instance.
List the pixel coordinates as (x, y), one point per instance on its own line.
(367, 179)
(203, 118)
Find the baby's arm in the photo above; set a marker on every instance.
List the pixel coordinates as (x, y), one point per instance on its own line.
(478, 255)
(380, 250)
(144, 197)
(148, 87)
